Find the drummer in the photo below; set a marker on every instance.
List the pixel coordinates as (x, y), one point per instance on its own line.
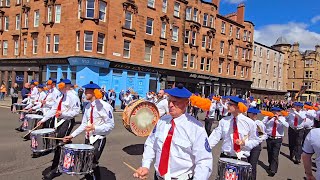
(63, 111)
(162, 104)
(40, 96)
(180, 138)
(237, 131)
(33, 92)
(97, 121)
(222, 105)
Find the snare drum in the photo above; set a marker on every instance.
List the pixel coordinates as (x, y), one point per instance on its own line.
(40, 144)
(76, 159)
(18, 107)
(30, 121)
(232, 169)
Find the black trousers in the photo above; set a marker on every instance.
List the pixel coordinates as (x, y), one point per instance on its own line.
(316, 124)
(305, 133)
(13, 100)
(98, 149)
(253, 160)
(273, 148)
(63, 130)
(295, 143)
(113, 103)
(195, 112)
(208, 125)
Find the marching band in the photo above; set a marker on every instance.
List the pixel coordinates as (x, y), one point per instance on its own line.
(179, 145)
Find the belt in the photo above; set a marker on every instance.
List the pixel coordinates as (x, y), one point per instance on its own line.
(276, 137)
(295, 128)
(181, 177)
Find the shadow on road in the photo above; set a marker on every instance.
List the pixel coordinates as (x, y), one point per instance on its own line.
(136, 149)
(285, 155)
(285, 144)
(263, 165)
(107, 174)
(47, 170)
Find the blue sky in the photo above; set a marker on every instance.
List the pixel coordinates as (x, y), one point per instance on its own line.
(298, 21)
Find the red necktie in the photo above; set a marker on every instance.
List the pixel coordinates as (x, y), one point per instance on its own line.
(274, 128)
(45, 98)
(59, 105)
(295, 121)
(164, 158)
(91, 118)
(236, 147)
(222, 111)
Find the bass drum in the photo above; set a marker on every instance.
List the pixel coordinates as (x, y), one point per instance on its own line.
(140, 117)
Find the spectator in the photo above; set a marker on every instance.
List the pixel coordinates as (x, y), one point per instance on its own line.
(3, 91)
(25, 91)
(80, 93)
(121, 98)
(14, 94)
(112, 98)
(127, 98)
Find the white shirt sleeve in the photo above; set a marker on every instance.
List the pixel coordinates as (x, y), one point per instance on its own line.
(216, 135)
(82, 127)
(149, 152)
(283, 121)
(311, 114)
(301, 114)
(74, 108)
(307, 146)
(51, 112)
(108, 124)
(253, 139)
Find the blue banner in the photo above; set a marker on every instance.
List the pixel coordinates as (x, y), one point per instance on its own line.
(84, 61)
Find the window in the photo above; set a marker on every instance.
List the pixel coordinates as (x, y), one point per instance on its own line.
(244, 51)
(259, 82)
(36, 18)
(49, 15)
(126, 49)
(249, 37)
(292, 85)
(164, 6)
(195, 15)
(211, 21)
(229, 49)
(253, 81)
(208, 64)
(280, 72)
(128, 20)
(259, 67)
(78, 41)
(242, 71)
(149, 26)
(308, 84)
(210, 42)
(18, 2)
(268, 54)
(7, 3)
(245, 35)
(16, 47)
(6, 23)
(228, 68)
(273, 84)
(194, 36)
(204, 41)
(308, 74)
(151, 3)
(185, 61)
(56, 41)
(236, 51)
(221, 47)
(176, 9)
(274, 71)
(174, 57)
(147, 52)
(266, 84)
(267, 69)
(188, 13)
(238, 33)
(275, 57)
(230, 31)
(223, 27)
(192, 61)
(255, 50)
(175, 34)
(235, 69)
(48, 43)
(308, 63)
(35, 45)
(293, 74)
(17, 21)
(261, 51)
(163, 30)
(161, 60)
(57, 15)
(186, 37)
(26, 18)
(254, 66)
(205, 19)
(102, 11)
(90, 8)
(202, 64)
(79, 9)
(220, 66)
(100, 43)
(88, 38)
(294, 63)
(25, 44)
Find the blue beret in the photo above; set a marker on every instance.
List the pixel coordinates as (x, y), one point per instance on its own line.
(254, 111)
(66, 81)
(251, 98)
(236, 99)
(33, 81)
(179, 92)
(91, 85)
(225, 97)
(298, 104)
(53, 80)
(276, 109)
(308, 103)
(41, 86)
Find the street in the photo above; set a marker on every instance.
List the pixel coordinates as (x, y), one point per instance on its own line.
(122, 146)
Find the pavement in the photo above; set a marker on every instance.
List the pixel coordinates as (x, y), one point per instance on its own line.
(122, 146)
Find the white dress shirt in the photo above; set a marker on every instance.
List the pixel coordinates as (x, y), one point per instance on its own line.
(52, 96)
(33, 93)
(224, 131)
(223, 107)
(162, 106)
(310, 116)
(70, 107)
(212, 111)
(253, 104)
(318, 115)
(189, 152)
(312, 146)
(103, 119)
(38, 103)
(262, 127)
(301, 115)
(281, 123)
(127, 99)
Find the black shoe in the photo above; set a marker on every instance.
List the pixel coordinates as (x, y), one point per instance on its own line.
(52, 174)
(271, 174)
(19, 129)
(297, 162)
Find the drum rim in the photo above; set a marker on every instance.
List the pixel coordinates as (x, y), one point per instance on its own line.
(34, 116)
(227, 160)
(73, 146)
(38, 131)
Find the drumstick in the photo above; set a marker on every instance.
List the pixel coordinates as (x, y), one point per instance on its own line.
(52, 138)
(132, 168)
(31, 131)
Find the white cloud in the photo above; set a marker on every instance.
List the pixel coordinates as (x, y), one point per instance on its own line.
(233, 1)
(292, 31)
(315, 19)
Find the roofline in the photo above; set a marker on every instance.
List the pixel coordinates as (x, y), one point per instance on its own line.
(210, 3)
(269, 47)
(250, 22)
(230, 21)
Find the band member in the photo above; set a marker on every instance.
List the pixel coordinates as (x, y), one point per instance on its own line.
(98, 122)
(33, 92)
(162, 104)
(275, 130)
(65, 109)
(237, 131)
(295, 133)
(210, 115)
(223, 107)
(37, 103)
(180, 138)
(260, 131)
(311, 146)
(251, 102)
(309, 121)
(317, 119)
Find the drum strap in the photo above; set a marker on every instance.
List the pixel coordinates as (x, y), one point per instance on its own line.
(159, 100)
(58, 122)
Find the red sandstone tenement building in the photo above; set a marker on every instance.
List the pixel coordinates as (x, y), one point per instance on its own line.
(144, 45)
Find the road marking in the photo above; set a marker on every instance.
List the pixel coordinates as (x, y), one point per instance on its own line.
(7, 107)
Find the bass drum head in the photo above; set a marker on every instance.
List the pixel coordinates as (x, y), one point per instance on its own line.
(79, 146)
(234, 161)
(43, 131)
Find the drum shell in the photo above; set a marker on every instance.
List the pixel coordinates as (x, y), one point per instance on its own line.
(243, 172)
(128, 113)
(30, 122)
(81, 161)
(42, 144)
